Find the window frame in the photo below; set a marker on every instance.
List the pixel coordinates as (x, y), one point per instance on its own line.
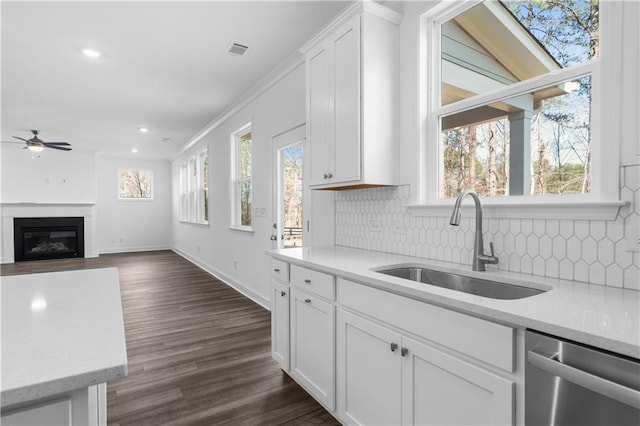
(150, 198)
(236, 182)
(194, 190)
(603, 198)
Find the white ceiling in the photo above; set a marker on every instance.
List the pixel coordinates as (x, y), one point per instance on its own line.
(163, 66)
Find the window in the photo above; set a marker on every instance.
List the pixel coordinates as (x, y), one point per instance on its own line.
(194, 188)
(135, 184)
(241, 180)
(513, 88)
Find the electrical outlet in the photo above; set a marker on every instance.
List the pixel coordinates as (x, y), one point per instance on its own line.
(397, 227)
(375, 225)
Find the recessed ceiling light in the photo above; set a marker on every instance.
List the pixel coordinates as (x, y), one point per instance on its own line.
(143, 129)
(91, 53)
(134, 150)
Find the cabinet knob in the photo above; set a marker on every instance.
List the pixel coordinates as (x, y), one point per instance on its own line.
(307, 281)
(326, 176)
(307, 300)
(276, 269)
(394, 346)
(283, 294)
(404, 351)
(329, 175)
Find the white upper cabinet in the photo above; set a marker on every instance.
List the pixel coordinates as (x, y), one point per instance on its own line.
(352, 81)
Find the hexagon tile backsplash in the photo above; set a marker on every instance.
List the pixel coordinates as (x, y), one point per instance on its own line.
(593, 251)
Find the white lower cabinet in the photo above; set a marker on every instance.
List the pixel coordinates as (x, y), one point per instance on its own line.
(386, 376)
(369, 372)
(280, 324)
(82, 407)
(312, 345)
(376, 358)
(440, 389)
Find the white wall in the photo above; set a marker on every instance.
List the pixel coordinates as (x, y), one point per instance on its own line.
(54, 177)
(79, 183)
(133, 225)
(238, 257)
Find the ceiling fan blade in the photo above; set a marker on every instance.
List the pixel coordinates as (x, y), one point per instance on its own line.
(21, 143)
(61, 148)
(57, 143)
(22, 139)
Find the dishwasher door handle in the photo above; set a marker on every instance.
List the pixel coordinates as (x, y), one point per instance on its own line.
(587, 380)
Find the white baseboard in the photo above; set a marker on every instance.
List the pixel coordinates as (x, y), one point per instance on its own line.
(239, 287)
(132, 249)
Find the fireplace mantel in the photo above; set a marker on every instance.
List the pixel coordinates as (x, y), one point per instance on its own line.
(11, 210)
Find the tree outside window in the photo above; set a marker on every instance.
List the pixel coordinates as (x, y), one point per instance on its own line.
(242, 181)
(535, 142)
(135, 184)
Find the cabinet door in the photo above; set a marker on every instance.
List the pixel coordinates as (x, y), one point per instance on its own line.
(345, 46)
(439, 389)
(313, 345)
(319, 146)
(369, 363)
(280, 324)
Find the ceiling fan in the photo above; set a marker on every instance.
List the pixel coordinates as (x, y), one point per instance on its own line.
(35, 144)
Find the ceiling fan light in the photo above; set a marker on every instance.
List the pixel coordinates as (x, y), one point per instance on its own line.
(91, 53)
(35, 148)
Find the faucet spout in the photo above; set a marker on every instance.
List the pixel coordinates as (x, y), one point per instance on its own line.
(479, 256)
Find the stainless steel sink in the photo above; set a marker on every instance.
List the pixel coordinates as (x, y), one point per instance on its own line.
(478, 286)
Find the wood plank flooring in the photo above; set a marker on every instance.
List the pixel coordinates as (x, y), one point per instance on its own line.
(199, 352)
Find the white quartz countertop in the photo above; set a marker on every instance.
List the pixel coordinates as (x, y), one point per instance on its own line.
(60, 331)
(604, 317)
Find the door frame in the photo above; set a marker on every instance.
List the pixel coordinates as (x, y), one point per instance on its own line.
(281, 140)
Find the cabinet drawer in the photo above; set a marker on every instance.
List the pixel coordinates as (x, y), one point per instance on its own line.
(314, 282)
(484, 340)
(280, 270)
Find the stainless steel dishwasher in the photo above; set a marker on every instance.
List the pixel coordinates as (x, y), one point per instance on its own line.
(568, 383)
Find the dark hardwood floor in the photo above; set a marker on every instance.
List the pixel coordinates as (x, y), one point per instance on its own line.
(199, 352)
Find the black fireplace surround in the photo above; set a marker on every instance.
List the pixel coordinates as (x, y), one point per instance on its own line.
(39, 238)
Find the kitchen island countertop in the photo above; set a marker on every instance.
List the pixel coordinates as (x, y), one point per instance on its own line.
(61, 331)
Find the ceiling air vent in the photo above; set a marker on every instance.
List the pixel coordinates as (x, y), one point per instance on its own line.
(237, 49)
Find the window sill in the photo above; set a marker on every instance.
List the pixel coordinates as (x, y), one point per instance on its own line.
(541, 209)
(202, 224)
(241, 229)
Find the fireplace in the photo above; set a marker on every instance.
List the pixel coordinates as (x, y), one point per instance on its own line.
(38, 238)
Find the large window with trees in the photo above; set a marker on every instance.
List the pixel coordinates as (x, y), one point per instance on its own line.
(194, 188)
(513, 88)
(241, 179)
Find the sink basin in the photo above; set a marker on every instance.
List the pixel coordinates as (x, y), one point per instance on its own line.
(477, 286)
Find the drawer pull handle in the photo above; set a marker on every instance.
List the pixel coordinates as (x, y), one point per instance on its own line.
(276, 269)
(307, 281)
(404, 352)
(394, 347)
(307, 300)
(283, 294)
